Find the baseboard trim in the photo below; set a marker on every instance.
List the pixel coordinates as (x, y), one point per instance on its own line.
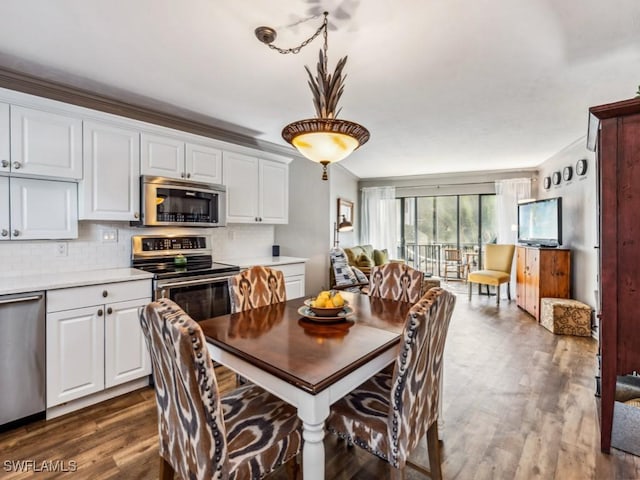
(79, 403)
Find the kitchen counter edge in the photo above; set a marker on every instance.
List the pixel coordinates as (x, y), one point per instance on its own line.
(264, 261)
(53, 281)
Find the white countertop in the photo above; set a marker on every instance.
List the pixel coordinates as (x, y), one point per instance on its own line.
(51, 281)
(265, 261)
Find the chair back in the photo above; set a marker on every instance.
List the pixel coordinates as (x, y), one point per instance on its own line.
(499, 257)
(396, 281)
(416, 378)
(256, 287)
(452, 255)
(190, 418)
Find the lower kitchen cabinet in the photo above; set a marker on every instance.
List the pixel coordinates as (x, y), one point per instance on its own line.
(293, 279)
(94, 339)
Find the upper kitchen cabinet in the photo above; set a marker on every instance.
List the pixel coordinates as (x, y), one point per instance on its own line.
(33, 209)
(174, 157)
(110, 189)
(4, 138)
(257, 189)
(44, 143)
(203, 163)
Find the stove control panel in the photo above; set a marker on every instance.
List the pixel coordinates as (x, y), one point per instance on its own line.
(161, 244)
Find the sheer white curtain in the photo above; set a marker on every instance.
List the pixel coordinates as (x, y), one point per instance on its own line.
(378, 218)
(508, 194)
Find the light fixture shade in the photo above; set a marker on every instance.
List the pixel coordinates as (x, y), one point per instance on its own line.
(325, 140)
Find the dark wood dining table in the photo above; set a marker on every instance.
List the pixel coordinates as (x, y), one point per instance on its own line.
(308, 364)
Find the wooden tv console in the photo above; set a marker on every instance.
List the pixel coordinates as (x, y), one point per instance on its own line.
(541, 272)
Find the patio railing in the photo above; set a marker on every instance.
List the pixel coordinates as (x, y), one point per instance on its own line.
(429, 257)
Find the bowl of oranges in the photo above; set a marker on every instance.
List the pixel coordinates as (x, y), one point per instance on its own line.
(328, 303)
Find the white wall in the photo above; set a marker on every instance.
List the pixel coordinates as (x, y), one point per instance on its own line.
(344, 185)
(312, 211)
(88, 252)
(307, 234)
(579, 217)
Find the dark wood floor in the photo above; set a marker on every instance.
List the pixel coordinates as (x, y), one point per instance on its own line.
(518, 404)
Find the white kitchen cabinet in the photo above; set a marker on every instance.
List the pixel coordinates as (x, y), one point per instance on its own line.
(257, 189)
(33, 209)
(125, 350)
(5, 149)
(5, 223)
(203, 163)
(174, 157)
(75, 354)
(45, 144)
(94, 339)
(294, 278)
(110, 189)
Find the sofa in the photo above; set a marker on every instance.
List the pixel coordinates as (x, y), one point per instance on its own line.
(365, 257)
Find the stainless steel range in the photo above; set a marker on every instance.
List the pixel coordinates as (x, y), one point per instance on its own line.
(185, 272)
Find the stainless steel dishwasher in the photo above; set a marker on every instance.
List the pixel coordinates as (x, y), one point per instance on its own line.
(22, 358)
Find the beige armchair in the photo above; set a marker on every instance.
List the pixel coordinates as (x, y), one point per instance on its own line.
(498, 261)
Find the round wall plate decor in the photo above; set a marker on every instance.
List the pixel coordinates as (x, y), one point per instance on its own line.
(581, 166)
(557, 178)
(567, 173)
(546, 183)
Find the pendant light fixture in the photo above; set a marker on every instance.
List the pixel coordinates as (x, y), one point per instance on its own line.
(324, 139)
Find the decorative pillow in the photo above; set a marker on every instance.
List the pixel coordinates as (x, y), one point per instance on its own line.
(364, 261)
(361, 277)
(343, 273)
(380, 257)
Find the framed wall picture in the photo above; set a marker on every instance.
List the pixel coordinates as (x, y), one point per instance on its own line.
(345, 207)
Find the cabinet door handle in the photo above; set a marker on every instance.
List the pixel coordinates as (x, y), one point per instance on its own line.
(188, 175)
(16, 233)
(136, 215)
(4, 232)
(105, 293)
(100, 312)
(17, 165)
(109, 310)
(182, 175)
(5, 163)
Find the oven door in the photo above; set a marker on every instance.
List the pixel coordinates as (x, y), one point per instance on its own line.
(201, 298)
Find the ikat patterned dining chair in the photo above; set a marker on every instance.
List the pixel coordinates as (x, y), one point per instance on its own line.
(256, 287)
(396, 281)
(241, 435)
(389, 414)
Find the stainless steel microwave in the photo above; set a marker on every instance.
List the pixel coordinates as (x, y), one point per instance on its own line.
(182, 203)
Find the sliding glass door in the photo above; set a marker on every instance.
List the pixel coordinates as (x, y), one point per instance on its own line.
(430, 225)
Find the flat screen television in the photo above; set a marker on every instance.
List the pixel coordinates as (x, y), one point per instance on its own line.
(540, 222)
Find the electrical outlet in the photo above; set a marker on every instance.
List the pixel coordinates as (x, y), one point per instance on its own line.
(109, 235)
(61, 249)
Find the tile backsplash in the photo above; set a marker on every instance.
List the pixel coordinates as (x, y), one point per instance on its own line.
(89, 252)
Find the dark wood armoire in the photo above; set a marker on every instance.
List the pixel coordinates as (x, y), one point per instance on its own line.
(615, 131)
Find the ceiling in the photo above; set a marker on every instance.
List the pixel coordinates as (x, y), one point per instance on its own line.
(443, 86)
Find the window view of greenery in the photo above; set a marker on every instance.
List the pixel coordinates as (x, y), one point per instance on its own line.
(429, 225)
